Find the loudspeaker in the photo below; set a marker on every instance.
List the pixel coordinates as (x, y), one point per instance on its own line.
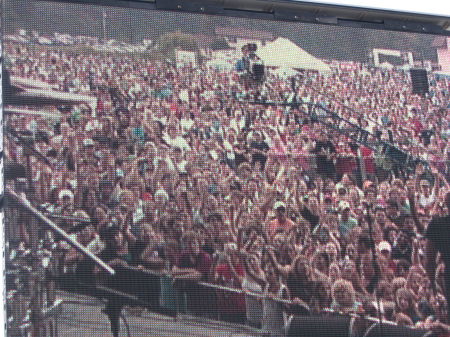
(419, 79)
(258, 71)
(323, 326)
(389, 330)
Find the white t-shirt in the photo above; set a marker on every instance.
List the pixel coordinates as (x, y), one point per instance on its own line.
(177, 142)
(274, 318)
(425, 202)
(253, 305)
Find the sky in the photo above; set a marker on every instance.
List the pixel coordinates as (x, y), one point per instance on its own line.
(433, 7)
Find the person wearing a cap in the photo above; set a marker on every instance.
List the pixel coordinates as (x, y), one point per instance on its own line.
(89, 151)
(281, 221)
(384, 248)
(65, 195)
(66, 202)
(346, 221)
(438, 235)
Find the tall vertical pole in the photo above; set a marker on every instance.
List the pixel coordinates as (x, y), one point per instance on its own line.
(35, 279)
(104, 16)
(361, 166)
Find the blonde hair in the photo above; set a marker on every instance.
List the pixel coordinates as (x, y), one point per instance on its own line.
(397, 283)
(406, 293)
(346, 286)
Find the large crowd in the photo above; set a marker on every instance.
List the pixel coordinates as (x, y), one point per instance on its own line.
(179, 171)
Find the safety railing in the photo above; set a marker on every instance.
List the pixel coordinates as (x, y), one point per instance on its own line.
(245, 310)
(32, 307)
(34, 302)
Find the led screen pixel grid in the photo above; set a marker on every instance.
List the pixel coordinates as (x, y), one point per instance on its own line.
(248, 153)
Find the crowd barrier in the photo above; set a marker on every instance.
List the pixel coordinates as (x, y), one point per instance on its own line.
(160, 292)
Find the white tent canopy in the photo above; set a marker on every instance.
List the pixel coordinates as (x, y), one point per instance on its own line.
(285, 53)
(284, 72)
(220, 64)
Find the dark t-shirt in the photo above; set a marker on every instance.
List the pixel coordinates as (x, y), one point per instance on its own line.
(438, 232)
(208, 247)
(85, 268)
(402, 253)
(324, 146)
(140, 246)
(324, 162)
(202, 263)
(397, 220)
(426, 136)
(107, 255)
(304, 290)
(262, 146)
(313, 219)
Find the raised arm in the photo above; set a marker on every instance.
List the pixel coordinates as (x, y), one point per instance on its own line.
(283, 270)
(412, 203)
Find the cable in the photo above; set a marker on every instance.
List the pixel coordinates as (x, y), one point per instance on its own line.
(126, 323)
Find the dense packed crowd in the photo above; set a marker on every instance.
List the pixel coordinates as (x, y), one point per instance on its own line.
(179, 171)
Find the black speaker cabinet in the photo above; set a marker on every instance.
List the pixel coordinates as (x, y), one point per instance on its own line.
(389, 330)
(419, 79)
(258, 72)
(323, 326)
(345, 326)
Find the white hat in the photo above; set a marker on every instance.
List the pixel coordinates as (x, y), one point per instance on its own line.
(343, 205)
(279, 204)
(384, 245)
(65, 193)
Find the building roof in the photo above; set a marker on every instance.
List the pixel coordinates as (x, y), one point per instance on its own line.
(244, 33)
